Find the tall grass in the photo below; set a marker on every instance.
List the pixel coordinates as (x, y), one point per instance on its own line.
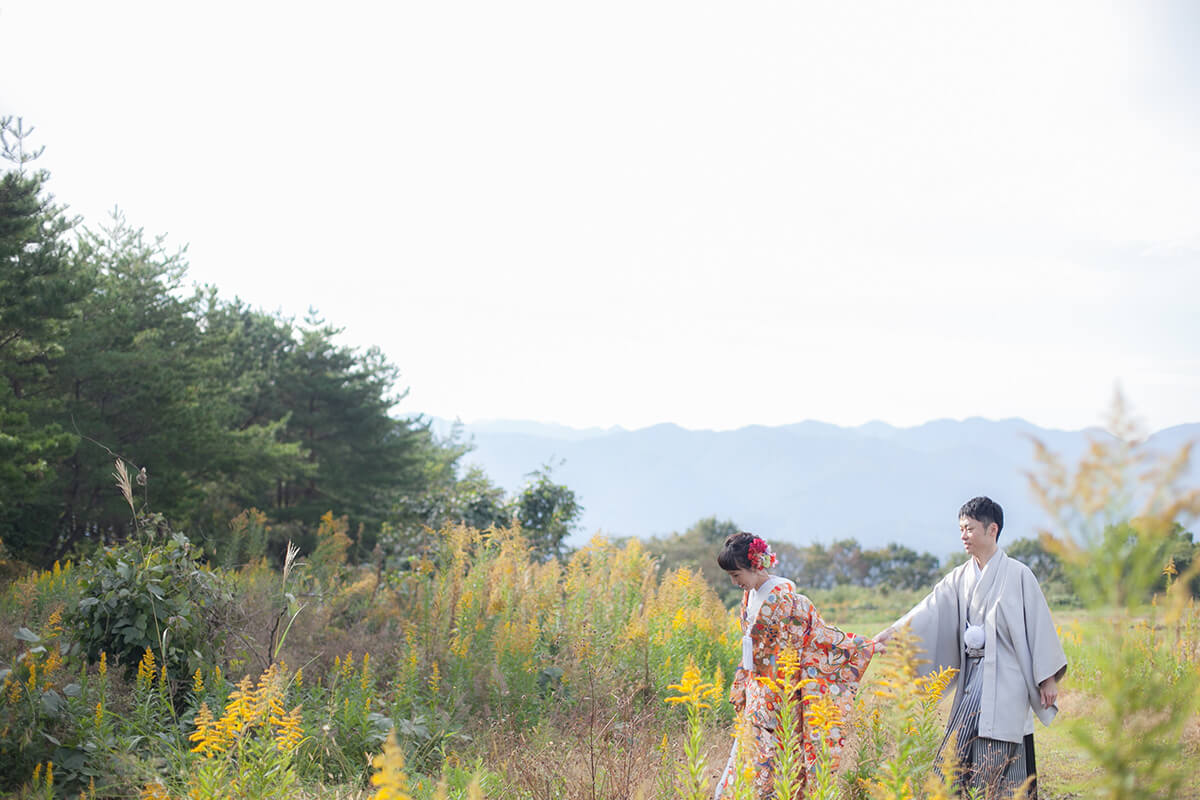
(480, 671)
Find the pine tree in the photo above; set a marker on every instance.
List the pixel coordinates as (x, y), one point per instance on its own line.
(40, 286)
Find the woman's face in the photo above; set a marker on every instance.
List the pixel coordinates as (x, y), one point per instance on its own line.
(747, 578)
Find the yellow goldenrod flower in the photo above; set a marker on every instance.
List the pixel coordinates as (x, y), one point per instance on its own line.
(824, 714)
(208, 736)
(1169, 570)
(53, 661)
(146, 669)
(37, 774)
(103, 663)
(691, 690)
(435, 678)
(288, 733)
(241, 710)
(197, 682)
(931, 687)
(54, 623)
(389, 779)
(154, 791)
(99, 714)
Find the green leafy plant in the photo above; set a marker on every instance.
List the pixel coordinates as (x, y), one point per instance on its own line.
(151, 593)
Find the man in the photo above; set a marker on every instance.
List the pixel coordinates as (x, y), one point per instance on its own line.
(989, 619)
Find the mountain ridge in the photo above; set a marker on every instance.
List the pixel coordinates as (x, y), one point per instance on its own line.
(802, 482)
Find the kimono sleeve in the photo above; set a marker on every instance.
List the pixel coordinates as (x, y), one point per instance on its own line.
(828, 655)
(935, 623)
(833, 662)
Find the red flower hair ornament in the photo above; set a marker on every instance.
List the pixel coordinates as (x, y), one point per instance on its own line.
(761, 554)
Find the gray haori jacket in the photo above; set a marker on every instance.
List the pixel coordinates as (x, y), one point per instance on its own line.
(1021, 649)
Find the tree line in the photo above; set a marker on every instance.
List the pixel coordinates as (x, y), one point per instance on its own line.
(845, 562)
(106, 352)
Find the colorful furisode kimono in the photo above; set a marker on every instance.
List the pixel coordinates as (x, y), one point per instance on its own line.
(775, 619)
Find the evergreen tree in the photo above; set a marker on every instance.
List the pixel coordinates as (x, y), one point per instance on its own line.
(40, 285)
(361, 458)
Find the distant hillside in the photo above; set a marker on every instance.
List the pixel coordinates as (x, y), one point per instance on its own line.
(805, 482)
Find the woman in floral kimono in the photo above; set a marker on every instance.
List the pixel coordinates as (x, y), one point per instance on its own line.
(775, 619)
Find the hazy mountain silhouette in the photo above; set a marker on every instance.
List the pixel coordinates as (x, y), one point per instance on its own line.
(806, 482)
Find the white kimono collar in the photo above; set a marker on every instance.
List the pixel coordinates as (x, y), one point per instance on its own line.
(754, 601)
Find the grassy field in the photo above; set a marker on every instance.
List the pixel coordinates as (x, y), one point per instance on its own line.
(1066, 770)
(492, 676)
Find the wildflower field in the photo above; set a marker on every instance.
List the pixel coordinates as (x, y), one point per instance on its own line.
(480, 670)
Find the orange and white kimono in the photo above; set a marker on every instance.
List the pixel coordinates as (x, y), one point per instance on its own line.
(776, 619)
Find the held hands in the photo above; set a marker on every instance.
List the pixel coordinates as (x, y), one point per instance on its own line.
(881, 639)
(1049, 691)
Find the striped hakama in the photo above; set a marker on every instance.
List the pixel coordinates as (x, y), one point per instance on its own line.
(996, 766)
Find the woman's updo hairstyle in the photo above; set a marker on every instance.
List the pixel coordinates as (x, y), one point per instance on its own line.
(736, 552)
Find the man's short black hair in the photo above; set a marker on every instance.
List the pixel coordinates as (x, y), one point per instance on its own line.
(985, 510)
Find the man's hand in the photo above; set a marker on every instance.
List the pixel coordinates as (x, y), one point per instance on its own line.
(1049, 688)
(882, 637)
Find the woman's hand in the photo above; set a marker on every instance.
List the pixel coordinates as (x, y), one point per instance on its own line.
(737, 692)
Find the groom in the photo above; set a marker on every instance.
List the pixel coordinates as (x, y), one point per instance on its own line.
(989, 619)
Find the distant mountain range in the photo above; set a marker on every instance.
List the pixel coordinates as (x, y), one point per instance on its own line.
(802, 483)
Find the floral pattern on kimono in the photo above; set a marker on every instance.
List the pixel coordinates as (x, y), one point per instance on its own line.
(832, 660)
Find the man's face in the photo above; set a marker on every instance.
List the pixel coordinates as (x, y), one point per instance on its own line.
(978, 540)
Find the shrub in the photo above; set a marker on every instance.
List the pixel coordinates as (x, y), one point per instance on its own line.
(150, 593)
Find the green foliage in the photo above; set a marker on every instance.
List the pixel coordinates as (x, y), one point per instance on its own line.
(40, 285)
(547, 512)
(150, 593)
(1115, 554)
(697, 549)
(225, 407)
(813, 567)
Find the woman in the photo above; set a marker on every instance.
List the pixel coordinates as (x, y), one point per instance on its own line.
(776, 619)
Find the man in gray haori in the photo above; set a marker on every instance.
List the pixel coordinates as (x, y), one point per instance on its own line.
(989, 619)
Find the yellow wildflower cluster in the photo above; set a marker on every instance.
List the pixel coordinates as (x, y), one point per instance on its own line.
(931, 687)
(435, 678)
(389, 779)
(692, 690)
(37, 775)
(249, 708)
(823, 713)
(518, 638)
(147, 669)
(54, 623)
(154, 791)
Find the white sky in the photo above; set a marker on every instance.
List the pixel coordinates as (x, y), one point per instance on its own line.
(623, 213)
